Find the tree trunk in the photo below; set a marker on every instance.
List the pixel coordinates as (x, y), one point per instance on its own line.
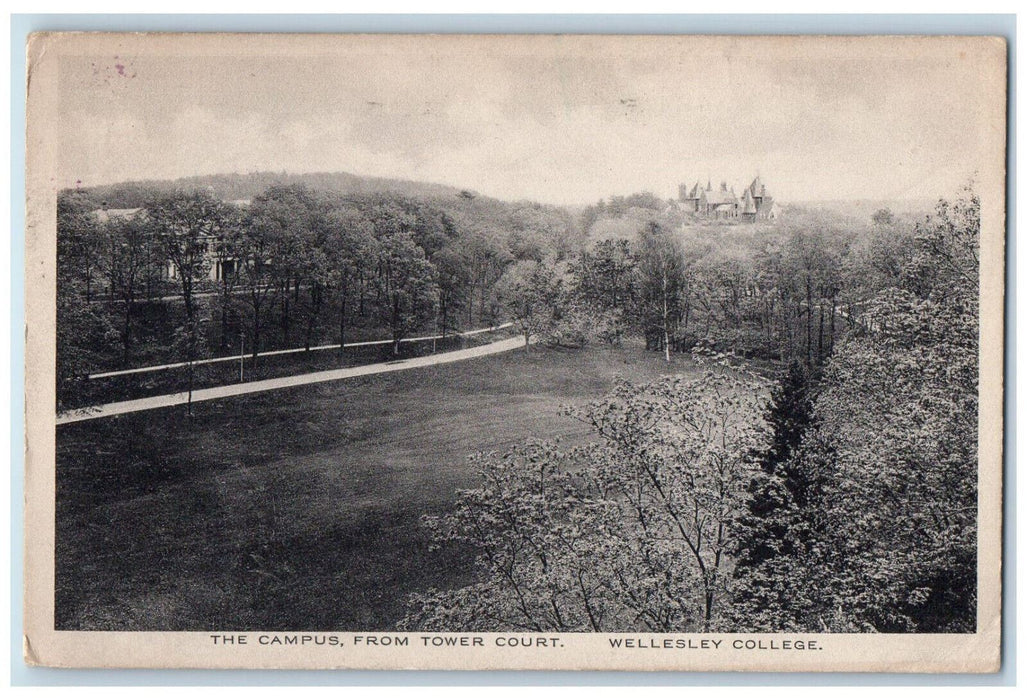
(809, 322)
(666, 332)
(192, 357)
(444, 310)
(126, 332)
(256, 331)
(361, 300)
(285, 317)
(225, 296)
(830, 344)
(315, 310)
(820, 336)
(708, 611)
(342, 320)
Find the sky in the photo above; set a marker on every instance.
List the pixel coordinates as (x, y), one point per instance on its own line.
(564, 120)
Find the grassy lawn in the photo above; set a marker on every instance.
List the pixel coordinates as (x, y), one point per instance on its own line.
(299, 508)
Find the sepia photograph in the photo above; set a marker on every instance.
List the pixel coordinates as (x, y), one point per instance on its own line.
(422, 351)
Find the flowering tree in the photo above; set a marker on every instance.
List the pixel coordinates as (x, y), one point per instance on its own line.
(630, 532)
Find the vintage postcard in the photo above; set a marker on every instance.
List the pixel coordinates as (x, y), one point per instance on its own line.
(515, 352)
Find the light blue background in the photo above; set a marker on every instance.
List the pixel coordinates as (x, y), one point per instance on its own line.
(22, 25)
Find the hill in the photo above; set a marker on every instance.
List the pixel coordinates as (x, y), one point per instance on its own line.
(236, 186)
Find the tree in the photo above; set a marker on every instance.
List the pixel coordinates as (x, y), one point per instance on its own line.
(603, 285)
(126, 268)
(789, 417)
(228, 258)
(294, 219)
(946, 251)
(315, 272)
(815, 270)
(256, 242)
(683, 455)
(407, 293)
(83, 330)
(188, 226)
(629, 532)
(536, 232)
(875, 262)
(186, 340)
(771, 532)
(349, 244)
(452, 269)
(488, 259)
(662, 279)
(79, 242)
(278, 247)
(530, 292)
(883, 217)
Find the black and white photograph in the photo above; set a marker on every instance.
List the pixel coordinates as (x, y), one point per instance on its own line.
(515, 351)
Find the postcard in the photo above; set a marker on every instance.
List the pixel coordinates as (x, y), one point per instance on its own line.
(515, 352)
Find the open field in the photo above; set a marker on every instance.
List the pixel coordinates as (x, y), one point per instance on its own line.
(298, 509)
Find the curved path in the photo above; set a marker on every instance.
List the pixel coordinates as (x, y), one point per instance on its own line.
(292, 351)
(220, 392)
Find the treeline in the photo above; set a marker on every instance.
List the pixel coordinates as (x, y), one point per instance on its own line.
(783, 292)
(189, 275)
(299, 266)
(840, 497)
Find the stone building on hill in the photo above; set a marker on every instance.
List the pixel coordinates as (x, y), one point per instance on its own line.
(755, 203)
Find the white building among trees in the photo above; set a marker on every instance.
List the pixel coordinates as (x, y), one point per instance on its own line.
(217, 265)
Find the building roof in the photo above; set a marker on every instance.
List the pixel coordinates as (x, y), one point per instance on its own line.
(754, 197)
(748, 203)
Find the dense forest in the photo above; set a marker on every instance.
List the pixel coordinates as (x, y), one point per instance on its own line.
(186, 275)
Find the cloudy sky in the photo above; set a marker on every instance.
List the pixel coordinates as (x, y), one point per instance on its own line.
(556, 119)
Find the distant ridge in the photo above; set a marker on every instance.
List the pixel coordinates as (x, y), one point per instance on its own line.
(234, 186)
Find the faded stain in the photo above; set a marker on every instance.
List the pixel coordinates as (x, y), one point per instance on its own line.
(106, 74)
